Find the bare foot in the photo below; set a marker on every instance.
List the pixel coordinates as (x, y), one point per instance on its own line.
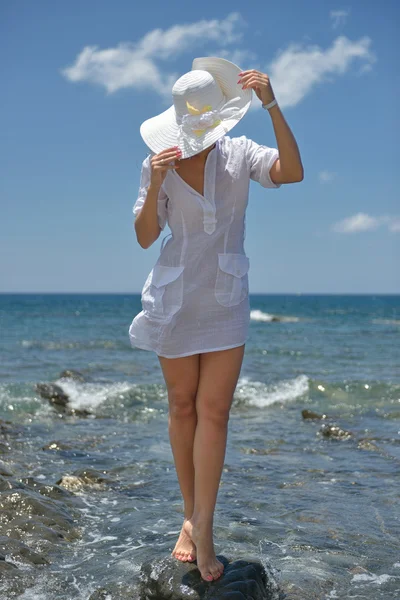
(185, 549)
(209, 566)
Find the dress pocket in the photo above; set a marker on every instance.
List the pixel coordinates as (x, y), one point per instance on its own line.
(162, 294)
(231, 285)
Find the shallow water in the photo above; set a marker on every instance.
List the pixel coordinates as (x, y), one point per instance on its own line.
(323, 512)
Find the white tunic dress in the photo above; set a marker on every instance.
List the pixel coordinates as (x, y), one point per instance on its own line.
(196, 298)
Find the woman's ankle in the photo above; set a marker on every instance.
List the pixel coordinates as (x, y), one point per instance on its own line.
(201, 521)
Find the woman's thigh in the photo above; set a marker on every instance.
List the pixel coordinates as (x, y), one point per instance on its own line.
(218, 377)
(181, 377)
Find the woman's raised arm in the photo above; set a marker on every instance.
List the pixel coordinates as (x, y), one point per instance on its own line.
(147, 224)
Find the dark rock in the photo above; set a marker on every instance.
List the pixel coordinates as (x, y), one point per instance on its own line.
(309, 414)
(60, 400)
(56, 445)
(82, 477)
(335, 432)
(368, 444)
(170, 579)
(7, 569)
(4, 471)
(100, 594)
(72, 374)
(20, 551)
(9, 484)
(92, 476)
(53, 392)
(23, 528)
(8, 428)
(25, 502)
(51, 490)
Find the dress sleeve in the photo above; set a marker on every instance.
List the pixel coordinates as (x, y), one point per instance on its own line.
(260, 159)
(162, 196)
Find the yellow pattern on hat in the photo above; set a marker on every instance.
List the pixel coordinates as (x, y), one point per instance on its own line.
(199, 111)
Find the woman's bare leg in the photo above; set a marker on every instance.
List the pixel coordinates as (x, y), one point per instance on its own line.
(219, 373)
(181, 376)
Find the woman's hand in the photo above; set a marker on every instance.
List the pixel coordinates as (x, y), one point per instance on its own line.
(161, 163)
(259, 82)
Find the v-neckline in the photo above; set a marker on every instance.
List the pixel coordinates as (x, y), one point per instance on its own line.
(190, 188)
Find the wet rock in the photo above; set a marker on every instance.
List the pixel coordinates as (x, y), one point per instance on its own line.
(4, 470)
(25, 502)
(335, 432)
(7, 569)
(24, 528)
(5, 427)
(72, 374)
(366, 444)
(9, 429)
(260, 451)
(309, 414)
(19, 551)
(60, 400)
(51, 490)
(7, 483)
(56, 445)
(100, 594)
(52, 392)
(169, 579)
(84, 477)
(4, 447)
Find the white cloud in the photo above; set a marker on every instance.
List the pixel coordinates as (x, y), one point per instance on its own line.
(245, 58)
(134, 65)
(145, 64)
(394, 225)
(326, 176)
(364, 222)
(339, 17)
(298, 69)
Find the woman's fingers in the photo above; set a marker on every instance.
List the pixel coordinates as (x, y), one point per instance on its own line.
(167, 153)
(165, 157)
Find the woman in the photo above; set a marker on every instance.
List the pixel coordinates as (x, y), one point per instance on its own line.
(195, 300)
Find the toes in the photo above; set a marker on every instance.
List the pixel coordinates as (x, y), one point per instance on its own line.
(218, 574)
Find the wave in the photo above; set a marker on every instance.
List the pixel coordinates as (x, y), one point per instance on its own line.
(71, 345)
(259, 315)
(125, 400)
(386, 321)
(255, 393)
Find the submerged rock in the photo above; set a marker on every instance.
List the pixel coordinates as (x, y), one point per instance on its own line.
(59, 399)
(53, 392)
(309, 414)
(72, 374)
(335, 432)
(17, 550)
(171, 579)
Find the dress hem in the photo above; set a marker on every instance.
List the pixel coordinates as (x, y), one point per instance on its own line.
(144, 347)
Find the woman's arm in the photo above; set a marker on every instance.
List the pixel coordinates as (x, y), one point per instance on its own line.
(288, 167)
(147, 225)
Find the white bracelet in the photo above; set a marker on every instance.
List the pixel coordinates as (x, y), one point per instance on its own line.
(270, 105)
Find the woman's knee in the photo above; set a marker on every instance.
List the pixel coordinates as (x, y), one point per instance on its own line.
(213, 409)
(182, 402)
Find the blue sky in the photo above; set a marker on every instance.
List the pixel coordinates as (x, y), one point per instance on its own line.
(78, 79)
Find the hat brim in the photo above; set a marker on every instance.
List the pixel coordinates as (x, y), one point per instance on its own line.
(161, 132)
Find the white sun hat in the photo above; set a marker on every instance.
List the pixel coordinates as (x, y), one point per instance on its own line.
(208, 102)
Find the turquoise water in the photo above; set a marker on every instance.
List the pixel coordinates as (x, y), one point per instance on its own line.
(323, 512)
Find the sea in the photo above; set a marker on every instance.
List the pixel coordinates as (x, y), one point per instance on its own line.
(311, 480)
